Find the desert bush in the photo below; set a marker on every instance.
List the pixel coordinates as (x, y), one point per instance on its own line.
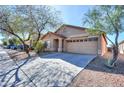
(39, 47)
(10, 41)
(16, 41)
(4, 43)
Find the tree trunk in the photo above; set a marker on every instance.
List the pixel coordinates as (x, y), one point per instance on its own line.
(38, 38)
(115, 50)
(25, 46)
(114, 56)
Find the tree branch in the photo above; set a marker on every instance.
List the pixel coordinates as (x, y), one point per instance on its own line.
(111, 21)
(110, 40)
(29, 36)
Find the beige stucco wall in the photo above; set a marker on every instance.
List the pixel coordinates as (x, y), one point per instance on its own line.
(121, 48)
(51, 38)
(102, 45)
(64, 45)
(68, 32)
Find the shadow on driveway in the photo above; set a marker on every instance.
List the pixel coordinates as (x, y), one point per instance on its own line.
(9, 70)
(80, 60)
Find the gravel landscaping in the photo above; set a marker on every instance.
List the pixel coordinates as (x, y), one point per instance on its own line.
(96, 74)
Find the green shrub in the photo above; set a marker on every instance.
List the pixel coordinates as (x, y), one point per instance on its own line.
(5, 43)
(11, 42)
(16, 41)
(39, 47)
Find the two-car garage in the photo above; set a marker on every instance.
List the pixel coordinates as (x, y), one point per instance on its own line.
(83, 46)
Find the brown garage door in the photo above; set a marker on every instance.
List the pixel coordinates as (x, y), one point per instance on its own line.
(81, 46)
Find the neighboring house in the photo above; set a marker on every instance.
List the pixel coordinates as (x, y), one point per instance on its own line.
(75, 39)
(121, 47)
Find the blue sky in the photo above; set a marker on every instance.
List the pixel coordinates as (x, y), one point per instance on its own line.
(73, 14)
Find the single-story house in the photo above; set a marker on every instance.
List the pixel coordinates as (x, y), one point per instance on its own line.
(121, 47)
(74, 39)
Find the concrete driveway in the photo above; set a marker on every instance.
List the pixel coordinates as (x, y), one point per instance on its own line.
(54, 70)
(79, 60)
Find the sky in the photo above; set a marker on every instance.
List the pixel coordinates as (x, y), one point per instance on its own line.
(73, 15)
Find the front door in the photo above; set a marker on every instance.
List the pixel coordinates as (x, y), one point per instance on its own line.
(56, 42)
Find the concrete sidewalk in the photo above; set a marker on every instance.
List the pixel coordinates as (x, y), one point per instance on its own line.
(10, 74)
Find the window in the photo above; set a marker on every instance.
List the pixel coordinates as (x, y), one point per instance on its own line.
(95, 39)
(90, 39)
(85, 40)
(74, 40)
(48, 44)
(69, 40)
(77, 40)
(81, 40)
